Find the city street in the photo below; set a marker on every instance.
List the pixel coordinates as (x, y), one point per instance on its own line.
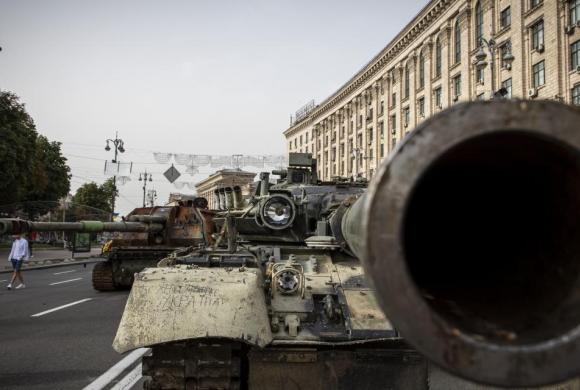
(57, 332)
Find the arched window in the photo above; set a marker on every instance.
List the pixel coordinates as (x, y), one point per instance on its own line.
(407, 81)
(438, 58)
(421, 70)
(457, 41)
(478, 24)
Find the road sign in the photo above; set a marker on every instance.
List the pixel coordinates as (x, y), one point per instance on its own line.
(172, 174)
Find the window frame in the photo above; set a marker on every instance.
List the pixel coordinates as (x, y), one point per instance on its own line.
(575, 95)
(575, 55)
(479, 21)
(574, 11)
(504, 85)
(505, 17)
(438, 58)
(539, 73)
(457, 42)
(538, 34)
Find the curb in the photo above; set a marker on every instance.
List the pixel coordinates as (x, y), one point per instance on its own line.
(58, 263)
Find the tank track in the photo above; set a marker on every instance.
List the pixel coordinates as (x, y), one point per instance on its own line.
(198, 365)
(103, 276)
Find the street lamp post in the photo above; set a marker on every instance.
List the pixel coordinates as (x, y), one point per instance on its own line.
(481, 62)
(119, 148)
(145, 177)
(151, 197)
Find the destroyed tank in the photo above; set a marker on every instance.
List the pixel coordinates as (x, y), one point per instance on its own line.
(463, 252)
(145, 236)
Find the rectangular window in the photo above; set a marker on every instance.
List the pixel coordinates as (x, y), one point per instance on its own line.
(360, 121)
(382, 107)
(575, 55)
(576, 95)
(422, 71)
(538, 35)
(457, 86)
(574, 11)
(394, 99)
(383, 148)
(306, 137)
(301, 140)
(539, 74)
(438, 94)
(504, 50)
(421, 107)
(505, 18)
(480, 75)
(535, 3)
(381, 129)
(407, 85)
(393, 124)
(507, 84)
(406, 116)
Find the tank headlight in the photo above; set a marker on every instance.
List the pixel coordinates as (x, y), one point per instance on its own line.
(278, 212)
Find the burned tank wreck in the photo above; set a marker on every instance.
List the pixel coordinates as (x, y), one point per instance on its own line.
(145, 236)
(462, 252)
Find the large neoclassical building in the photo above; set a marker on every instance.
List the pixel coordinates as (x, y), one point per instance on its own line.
(453, 50)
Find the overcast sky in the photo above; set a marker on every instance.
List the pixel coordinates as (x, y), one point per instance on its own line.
(198, 77)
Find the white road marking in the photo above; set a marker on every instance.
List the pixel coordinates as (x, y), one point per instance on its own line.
(4, 280)
(130, 379)
(61, 307)
(64, 272)
(65, 281)
(113, 372)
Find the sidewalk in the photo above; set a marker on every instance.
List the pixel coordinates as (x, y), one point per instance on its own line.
(47, 257)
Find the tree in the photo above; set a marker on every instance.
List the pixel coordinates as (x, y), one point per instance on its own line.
(51, 177)
(96, 196)
(17, 149)
(33, 172)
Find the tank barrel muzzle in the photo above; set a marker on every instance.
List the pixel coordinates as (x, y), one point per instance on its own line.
(470, 235)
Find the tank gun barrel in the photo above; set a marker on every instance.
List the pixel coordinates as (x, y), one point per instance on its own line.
(470, 235)
(17, 226)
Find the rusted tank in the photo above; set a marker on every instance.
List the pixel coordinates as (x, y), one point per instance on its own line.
(145, 236)
(466, 239)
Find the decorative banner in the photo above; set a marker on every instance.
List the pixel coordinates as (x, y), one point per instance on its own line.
(182, 184)
(172, 174)
(118, 168)
(123, 180)
(183, 159)
(201, 160)
(191, 170)
(194, 161)
(162, 158)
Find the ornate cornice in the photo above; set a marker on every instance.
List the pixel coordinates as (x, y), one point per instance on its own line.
(424, 19)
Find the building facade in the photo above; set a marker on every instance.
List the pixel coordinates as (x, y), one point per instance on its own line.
(225, 178)
(452, 51)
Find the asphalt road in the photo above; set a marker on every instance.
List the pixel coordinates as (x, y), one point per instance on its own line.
(63, 349)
